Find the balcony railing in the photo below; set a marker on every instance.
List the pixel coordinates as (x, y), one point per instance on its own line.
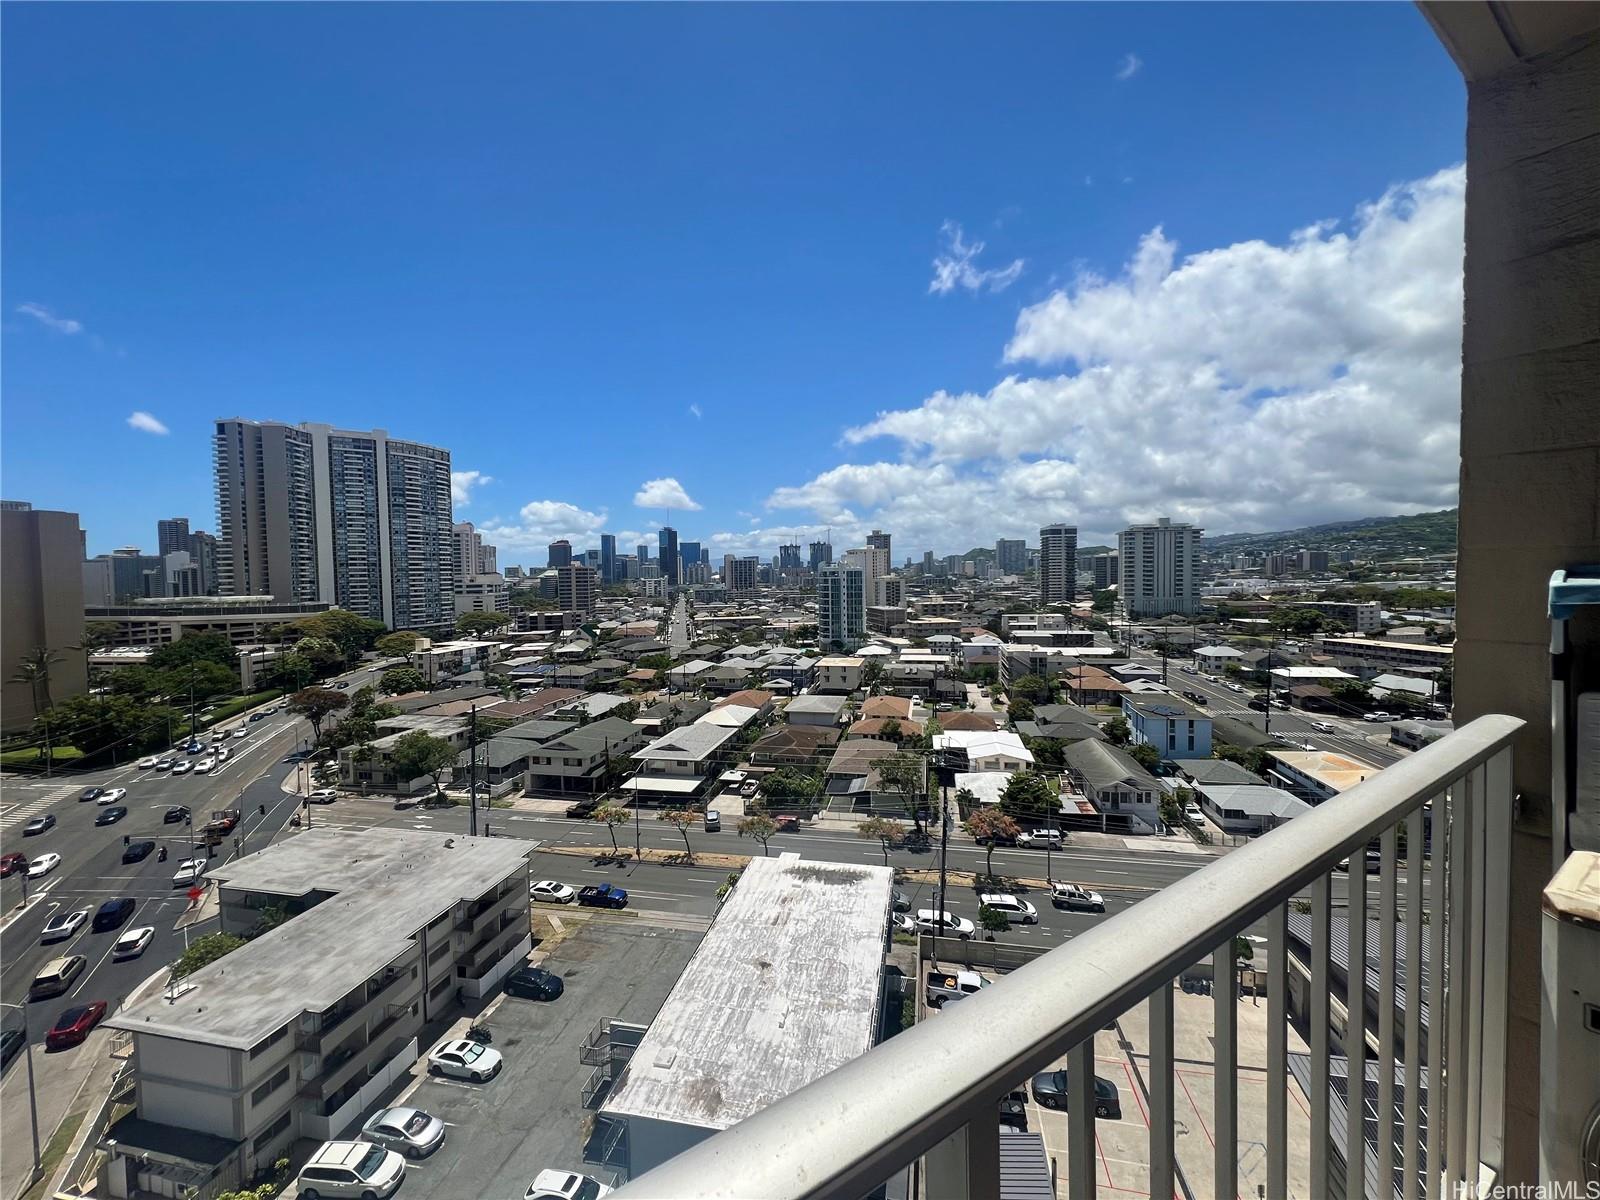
(941, 1081)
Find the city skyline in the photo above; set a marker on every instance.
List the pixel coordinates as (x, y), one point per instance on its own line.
(1132, 325)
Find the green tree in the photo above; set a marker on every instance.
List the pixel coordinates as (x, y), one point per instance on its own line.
(203, 951)
(420, 753)
(790, 787)
(902, 774)
(402, 643)
(322, 653)
(759, 826)
(1027, 795)
(204, 677)
(886, 832)
(1303, 621)
(681, 819)
(398, 681)
(350, 632)
(471, 623)
(871, 675)
(612, 815)
(1105, 601)
(33, 671)
(992, 921)
(989, 826)
(315, 703)
(289, 671)
(1031, 688)
(1021, 710)
(1253, 759)
(194, 647)
(1117, 731)
(1352, 692)
(1146, 755)
(1047, 752)
(97, 724)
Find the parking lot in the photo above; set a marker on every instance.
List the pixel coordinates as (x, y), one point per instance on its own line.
(530, 1116)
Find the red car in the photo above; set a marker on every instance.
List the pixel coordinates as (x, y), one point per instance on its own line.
(11, 864)
(73, 1026)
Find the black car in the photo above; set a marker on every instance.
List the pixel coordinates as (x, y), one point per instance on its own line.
(137, 851)
(583, 809)
(113, 913)
(174, 815)
(92, 793)
(533, 983)
(39, 825)
(1258, 705)
(1014, 1111)
(110, 816)
(11, 1041)
(1050, 1091)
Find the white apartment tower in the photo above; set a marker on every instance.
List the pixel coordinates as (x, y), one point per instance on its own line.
(1157, 568)
(576, 587)
(1058, 564)
(740, 575)
(356, 519)
(841, 606)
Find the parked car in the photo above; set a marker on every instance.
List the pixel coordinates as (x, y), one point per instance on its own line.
(465, 1059)
(534, 983)
(56, 976)
(788, 824)
(749, 788)
(132, 943)
(602, 895)
(323, 796)
(902, 923)
(147, 762)
(552, 892)
(351, 1169)
(944, 986)
(166, 764)
(40, 824)
(113, 913)
(1378, 717)
(1050, 1091)
(43, 865)
(1018, 912)
(175, 814)
(11, 863)
(110, 816)
(410, 1131)
(1071, 896)
(899, 900)
(89, 793)
(62, 926)
(713, 820)
(73, 1025)
(182, 767)
(583, 809)
(1193, 812)
(1041, 837)
(565, 1185)
(932, 921)
(188, 872)
(11, 1043)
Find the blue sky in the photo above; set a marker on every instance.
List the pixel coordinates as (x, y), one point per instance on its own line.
(590, 247)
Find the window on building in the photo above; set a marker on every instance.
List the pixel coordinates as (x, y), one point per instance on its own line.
(266, 1043)
(280, 1078)
(272, 1132)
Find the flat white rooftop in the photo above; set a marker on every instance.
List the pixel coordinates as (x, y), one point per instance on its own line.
(783, 989)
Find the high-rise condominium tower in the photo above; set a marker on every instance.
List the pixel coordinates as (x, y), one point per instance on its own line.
(357, 519)
(1058, 564)
(1158, 568)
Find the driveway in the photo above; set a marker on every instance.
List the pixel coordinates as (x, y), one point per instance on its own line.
(531, 1116)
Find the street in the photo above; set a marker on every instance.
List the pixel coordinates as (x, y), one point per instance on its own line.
(680, 633)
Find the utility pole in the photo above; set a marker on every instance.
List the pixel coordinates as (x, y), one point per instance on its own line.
(944, 849)
(1266, 716)
(472, 769)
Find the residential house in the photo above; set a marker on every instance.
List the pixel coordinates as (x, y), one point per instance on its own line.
(1060, 722)
(982, 721)
(1090, 685)
(1214, 659)
(370, 767)
(824, 711)
(839, 673)
(761, 701)
(995, 750)
(578, 760)
(500, 762)
(1248, 808)
(679, 766)
(1115, 784)
(686, 674)
(1316, 776)
(852, 777)
(794, 746)
(1175, 728)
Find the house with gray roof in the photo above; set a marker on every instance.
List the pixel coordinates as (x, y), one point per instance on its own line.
(578, 759)
(1115, 784)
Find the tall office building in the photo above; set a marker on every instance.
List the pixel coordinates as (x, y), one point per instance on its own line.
(820, 554)
(841, 607)
(560, 553)
(41, 609)
(667, 541)
(880, 540)
(642, 552)
(789, 558)
(688, 552)
(927, 562)
(740, 575)
(1011, 556)
(351, 518)
(203, 553)
(608, 558)
(172, 535)
(488, 559)
(576, 587)
(1157, 568)
(468, 556)
(1106, 570)
(1058, 564)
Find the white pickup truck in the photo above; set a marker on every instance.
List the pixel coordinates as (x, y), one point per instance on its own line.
(945, 986)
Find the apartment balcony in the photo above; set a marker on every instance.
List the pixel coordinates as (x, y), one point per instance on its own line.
(928, 1098)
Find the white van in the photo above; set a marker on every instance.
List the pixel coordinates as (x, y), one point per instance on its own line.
(353, 1169)
(1018, 912)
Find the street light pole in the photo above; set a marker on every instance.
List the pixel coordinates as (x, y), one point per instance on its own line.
(33, 1105)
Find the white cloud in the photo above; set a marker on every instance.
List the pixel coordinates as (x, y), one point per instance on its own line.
(694, 410)
(1260, 385)
(956, 265)
(664, 493)
(49, 320)
(541, 522)
(1129, 66)
(462, 484)
(146, 423)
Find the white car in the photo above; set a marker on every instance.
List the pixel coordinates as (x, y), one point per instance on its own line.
(189, 871)
(1017, 912)
(43, 865)
(63, 925)
(182, 767)
(552, 892)
(204, 765)
(565, 1185)
(242, 731)
(132, 943)
(1323, 727)
(146, 763)
(934, 921)
(902, 923)
(111, 796)
(222, 754)
(217, 735)
(350, 1169)
(465, 1059)
(1377, 717)
(1041, 837)
(323, 796)
(1071, 896)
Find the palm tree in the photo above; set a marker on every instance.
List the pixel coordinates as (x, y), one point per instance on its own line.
(33, 669)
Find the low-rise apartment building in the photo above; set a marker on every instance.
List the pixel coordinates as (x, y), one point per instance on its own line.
(442, 660)
(1048, 662)
(1176, 729)
(577, 759)
(1359, 616)
(292, 1035)
(679, 766)
(243, 620)
(1382, 655)
(1316, 775)
(839, 673)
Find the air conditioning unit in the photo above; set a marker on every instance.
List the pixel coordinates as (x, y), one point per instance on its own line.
(1569, 1084)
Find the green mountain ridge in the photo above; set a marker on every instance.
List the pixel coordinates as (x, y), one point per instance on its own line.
(1424, 532)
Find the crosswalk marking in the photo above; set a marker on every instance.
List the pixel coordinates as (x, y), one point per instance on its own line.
(20, 813)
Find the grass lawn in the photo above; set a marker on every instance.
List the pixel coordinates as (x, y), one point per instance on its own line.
(31, 756)
(54, 1151)
(233, 708)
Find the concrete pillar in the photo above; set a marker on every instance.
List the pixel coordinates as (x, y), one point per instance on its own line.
(1530, 422)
